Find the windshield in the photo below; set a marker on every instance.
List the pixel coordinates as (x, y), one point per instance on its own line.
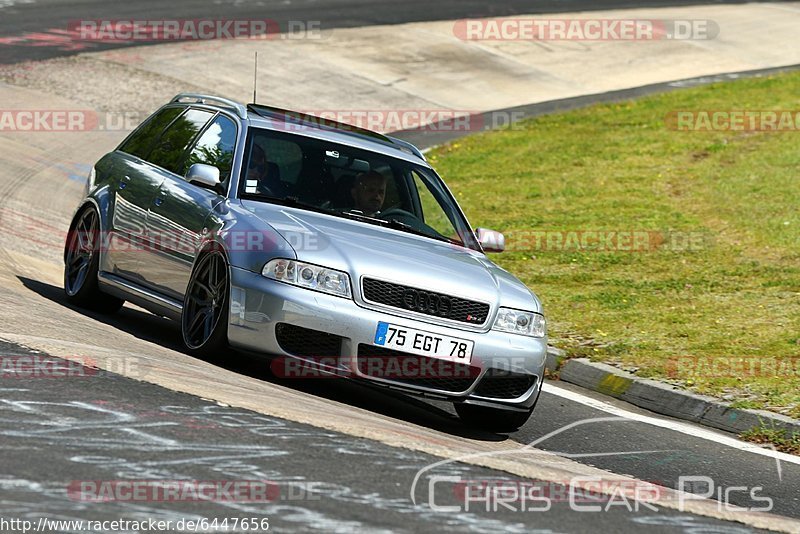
(348, 182)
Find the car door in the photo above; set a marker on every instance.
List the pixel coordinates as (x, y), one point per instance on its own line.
(180, 209)
(135, 185)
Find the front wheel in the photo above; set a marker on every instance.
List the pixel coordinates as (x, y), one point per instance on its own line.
(204, 324)
(492, 419)
(81, 263)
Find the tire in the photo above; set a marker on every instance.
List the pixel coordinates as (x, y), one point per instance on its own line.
(491, 419)
(81, 263)
(204, 324)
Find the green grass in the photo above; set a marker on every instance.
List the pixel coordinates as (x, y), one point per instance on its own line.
(669, 312)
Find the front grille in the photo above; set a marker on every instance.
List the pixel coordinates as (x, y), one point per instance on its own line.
(414, 370)
(427, 302)
(308, 343)
(501, 384)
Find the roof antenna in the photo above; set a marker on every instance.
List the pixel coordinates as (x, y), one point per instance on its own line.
(255, 78)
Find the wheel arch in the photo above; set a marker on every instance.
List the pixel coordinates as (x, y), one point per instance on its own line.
(86, 203)
(212, 245)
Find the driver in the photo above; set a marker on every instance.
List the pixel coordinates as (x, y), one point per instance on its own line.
(369, 192)
(265, 173)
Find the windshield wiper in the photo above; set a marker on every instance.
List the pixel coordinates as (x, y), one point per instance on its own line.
(397, 225)
(400, 225)
(358, 216)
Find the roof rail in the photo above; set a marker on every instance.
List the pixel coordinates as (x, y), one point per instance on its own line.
(409, 147)
(240, 109)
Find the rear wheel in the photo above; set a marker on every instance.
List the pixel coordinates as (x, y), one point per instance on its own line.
(81, 263)
(492, 419)
(203, 322)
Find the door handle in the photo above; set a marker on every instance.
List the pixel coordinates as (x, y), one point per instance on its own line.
(160, 198)
(123, 183)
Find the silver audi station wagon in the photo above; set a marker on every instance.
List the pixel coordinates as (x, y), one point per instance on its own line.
(322, 245)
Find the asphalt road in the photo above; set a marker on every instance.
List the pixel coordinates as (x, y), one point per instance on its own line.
(108, 432)
(39, 29)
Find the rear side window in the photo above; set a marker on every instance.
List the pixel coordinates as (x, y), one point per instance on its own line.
(169, 149)
(140, 141)
(215, 147)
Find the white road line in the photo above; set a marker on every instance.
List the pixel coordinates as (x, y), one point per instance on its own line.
(676, 426)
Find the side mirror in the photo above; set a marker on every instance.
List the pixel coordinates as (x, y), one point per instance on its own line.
(204, 175)
(490, 240)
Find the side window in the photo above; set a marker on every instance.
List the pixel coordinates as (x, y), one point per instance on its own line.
(273, 166)
(215, 147)
(169, 149)
(140, 141)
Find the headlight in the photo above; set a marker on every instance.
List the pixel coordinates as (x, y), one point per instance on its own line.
(309, 276)
(520, 322)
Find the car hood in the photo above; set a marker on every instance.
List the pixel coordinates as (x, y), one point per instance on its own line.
(366, 250)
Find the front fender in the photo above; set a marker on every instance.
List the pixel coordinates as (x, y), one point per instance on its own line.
(248, 242)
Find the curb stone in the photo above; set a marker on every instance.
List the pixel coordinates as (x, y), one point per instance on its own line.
(555, 357)
(662, 398)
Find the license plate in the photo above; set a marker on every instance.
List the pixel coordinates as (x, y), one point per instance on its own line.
(415, 341)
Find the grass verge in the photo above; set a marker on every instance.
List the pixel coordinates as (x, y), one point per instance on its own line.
(699, 285)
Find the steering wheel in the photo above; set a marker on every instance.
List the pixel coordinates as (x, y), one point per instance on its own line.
(397, 213)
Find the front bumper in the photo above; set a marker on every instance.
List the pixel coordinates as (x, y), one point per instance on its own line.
(258, 305)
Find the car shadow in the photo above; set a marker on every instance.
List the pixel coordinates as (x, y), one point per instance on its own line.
(166, 333)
